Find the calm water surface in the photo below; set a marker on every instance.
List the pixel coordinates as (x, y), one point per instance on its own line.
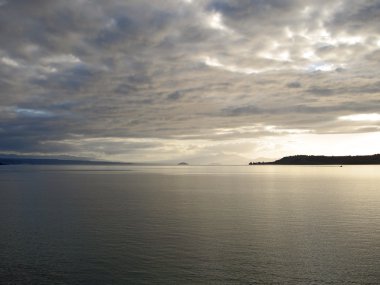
(189, 225)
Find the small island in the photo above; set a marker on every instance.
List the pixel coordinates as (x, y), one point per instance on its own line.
(323, 160)
(183, 163)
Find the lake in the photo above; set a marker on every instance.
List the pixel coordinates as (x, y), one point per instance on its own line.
(189, 225)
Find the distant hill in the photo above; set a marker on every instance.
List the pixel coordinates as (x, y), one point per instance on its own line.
(325, 160)
(52, 161)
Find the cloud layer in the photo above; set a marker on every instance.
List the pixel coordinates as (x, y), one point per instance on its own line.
(166, 80)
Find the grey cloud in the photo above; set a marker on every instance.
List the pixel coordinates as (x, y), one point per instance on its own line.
(357, 16)
(72, 79)
(244, 110)
(139, 69)
(125, 89)
(252, 8)
(320, 91)
(328, 109)
(293, 84)
(174, 96)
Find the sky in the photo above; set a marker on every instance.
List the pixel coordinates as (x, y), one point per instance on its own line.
(201, 81)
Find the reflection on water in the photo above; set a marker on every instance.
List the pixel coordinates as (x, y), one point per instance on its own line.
(187, 224)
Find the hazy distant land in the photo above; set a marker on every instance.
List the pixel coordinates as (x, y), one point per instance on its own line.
(324, 160)
(53, 161)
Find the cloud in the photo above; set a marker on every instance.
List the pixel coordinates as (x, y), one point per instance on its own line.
(293, 84)
(10, 62)
(33, 113)
(174, 96)
(373, 117)
(173, 72)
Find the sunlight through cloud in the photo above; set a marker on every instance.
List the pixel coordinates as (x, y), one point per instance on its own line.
(215, 22)
(213, 62)
(373, 117)
(10, 62)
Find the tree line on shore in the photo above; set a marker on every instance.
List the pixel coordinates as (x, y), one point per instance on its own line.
(323, 160)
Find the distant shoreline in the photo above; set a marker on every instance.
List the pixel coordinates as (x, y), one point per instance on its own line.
(52, 161)
(324, 160)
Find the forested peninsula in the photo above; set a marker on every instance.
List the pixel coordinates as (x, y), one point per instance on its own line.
(324, 160)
